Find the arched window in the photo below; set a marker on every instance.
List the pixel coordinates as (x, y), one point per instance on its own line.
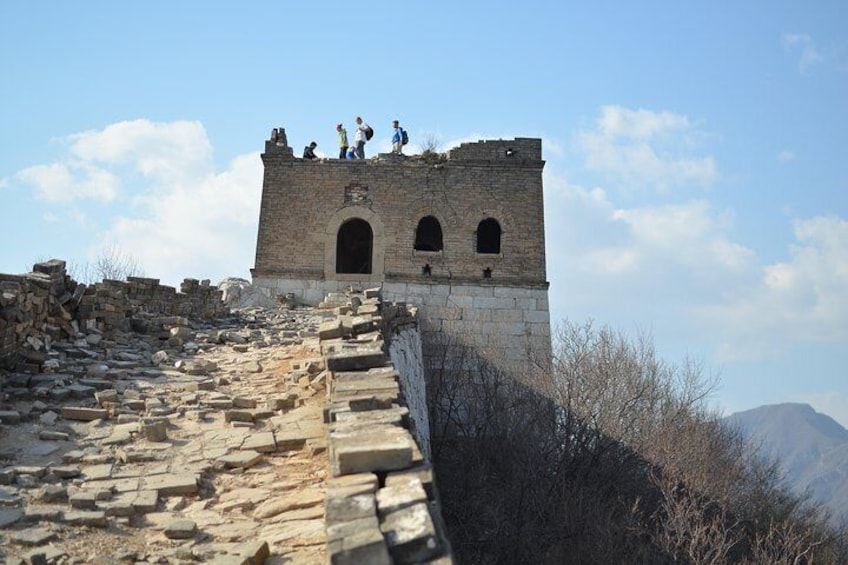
(428, 235)
(354, 244)
(489, 236)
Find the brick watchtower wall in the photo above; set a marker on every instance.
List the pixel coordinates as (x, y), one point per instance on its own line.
(460, 234)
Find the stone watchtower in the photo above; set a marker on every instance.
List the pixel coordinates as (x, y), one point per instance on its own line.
(461, 235)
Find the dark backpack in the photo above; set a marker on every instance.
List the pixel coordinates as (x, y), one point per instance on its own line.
(404, 137)
(369, 133)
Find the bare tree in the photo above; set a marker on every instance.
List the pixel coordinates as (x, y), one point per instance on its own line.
(612, 457)
(430, 143)
(111, 263)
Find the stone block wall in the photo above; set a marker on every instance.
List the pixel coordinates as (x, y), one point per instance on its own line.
(510, 324)
(402, 332)
(47, 304)
(305, 203)
(382, 506)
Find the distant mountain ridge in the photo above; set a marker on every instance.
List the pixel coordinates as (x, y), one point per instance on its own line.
(812, 448)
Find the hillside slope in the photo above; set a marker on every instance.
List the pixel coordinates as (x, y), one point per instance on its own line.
(812, 447)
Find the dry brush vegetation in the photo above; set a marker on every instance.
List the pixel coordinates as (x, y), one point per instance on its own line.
(609, 455)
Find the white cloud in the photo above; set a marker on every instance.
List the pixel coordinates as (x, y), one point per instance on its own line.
(70, 180)
(205, 228)
(167, 151)
(690, 235)
(175, 215)
(810, 55)
(802, 299)
(642, 148)
(648, 263)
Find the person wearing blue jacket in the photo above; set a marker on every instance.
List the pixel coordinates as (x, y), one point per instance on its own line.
(397, 138)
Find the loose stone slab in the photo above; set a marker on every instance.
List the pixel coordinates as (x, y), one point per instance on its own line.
(181, 529)
(262, 442)
(34, 470)
(341, 510)
(32, 536)
(42, 449)
(364, 546)
(9, 516)
(172, 484)
(357, 360)
(238, 416)
(10, 417)
(330, 330)
(121, 506)
(95, 518)
(83, 414)
(352, 485)
(384, 448)
(145, 501)
(293, 501)
(42, 513)
(44, 555)
(66, 471)
(252, 552)
(7, 476)
(290, 440)
(155, 431)
(242, 402)
(400, 495)
(243, 459)
(50, 435)
(98, 472)
(410, 534)
(84, 500)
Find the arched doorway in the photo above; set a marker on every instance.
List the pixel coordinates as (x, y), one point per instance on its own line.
(354, 246)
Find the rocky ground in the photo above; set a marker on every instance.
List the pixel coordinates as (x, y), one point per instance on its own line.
(183, 444)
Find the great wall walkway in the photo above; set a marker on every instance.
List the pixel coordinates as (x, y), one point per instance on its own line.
(209, 444)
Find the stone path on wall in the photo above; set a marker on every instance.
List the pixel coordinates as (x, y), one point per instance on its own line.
(186, 445)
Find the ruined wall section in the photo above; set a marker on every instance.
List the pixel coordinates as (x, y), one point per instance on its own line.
(47, 304)
(381, 502)
(402, 332)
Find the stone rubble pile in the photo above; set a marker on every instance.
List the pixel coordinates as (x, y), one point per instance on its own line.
(381, 500)
(47, 305)
(196, 442)
(142, 425)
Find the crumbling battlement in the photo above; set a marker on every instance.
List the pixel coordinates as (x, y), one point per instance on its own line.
(518, 151)
(47, 304)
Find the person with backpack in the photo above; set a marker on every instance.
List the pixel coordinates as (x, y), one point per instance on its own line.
(399, 139)
(363, 133)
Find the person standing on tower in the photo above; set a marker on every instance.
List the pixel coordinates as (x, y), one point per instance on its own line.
(343, 145)
(397, 138)
(363, 134)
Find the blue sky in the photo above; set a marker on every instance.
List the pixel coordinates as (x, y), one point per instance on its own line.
(696, 153)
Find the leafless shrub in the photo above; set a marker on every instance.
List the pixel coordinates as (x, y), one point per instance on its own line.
(430, 143)
(111, 263)
(611, 457)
